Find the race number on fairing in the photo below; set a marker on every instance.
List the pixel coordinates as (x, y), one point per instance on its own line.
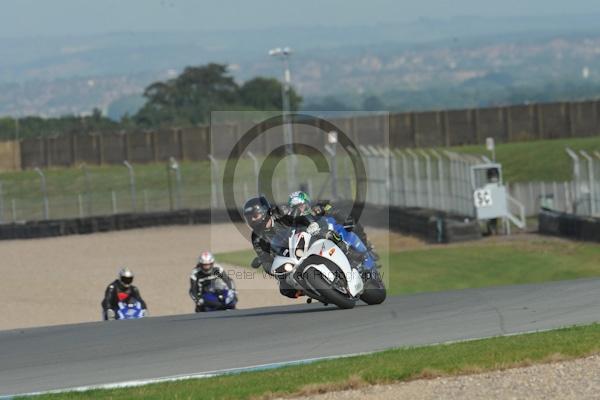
(482, 198)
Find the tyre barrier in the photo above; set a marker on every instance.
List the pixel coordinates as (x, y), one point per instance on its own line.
(570, 226)
(431, 225)
(107, 223)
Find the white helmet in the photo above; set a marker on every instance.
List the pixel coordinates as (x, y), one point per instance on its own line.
(126, 276)
(206, 261)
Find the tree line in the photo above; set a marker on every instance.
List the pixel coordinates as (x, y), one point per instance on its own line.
(185, 100)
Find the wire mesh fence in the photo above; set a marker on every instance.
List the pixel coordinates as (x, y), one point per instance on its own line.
(438, 180)
(434, 179)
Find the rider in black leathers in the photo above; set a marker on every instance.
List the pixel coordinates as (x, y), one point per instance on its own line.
(120, 289)
(266, 222)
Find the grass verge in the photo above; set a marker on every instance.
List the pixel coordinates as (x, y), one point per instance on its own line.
(481, 264)
(385, 367)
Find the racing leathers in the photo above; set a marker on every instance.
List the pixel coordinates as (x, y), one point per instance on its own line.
(261, 242)
(118, 292)
(326, 209)
(202, 281)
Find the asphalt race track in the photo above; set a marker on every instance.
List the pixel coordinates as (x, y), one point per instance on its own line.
(70, 356)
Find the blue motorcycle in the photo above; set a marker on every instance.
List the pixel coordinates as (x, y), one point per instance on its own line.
(215, 296)
(130, 309)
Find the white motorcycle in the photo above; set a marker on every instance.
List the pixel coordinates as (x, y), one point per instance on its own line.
(308, 261)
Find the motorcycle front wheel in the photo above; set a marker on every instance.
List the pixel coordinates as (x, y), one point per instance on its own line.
(323, 287)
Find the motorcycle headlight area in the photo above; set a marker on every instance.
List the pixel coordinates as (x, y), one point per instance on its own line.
(299, 252)
(285, 268)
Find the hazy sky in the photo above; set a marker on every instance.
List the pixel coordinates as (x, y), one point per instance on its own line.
(59, 17)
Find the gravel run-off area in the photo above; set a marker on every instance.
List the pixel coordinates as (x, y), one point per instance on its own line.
(576, 379)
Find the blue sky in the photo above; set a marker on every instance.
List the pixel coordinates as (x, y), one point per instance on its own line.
(75, 17)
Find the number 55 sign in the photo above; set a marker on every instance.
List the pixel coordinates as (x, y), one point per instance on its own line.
(482, 198)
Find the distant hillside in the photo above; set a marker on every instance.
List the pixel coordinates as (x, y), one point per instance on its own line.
(71, 75)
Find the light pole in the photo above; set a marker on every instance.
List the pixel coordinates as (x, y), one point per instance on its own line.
(17, 139)
(288, 135)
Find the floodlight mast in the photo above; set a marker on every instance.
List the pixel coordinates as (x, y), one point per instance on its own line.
(288, 135)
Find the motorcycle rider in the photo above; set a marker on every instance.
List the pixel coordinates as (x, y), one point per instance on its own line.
(266, 222)
(205, 271)
(119, 290)
(299, 204)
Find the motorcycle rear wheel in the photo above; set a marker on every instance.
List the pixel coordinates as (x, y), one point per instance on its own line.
(375, 292)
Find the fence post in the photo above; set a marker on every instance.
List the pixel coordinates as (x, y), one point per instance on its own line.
(394, 179)
(145, 200)
(405, 178)
(256, 169)
(441, 179)
(173, 165)
(428, 177)
(1, 204)
(115, 210)
(214, 181)
(131, 184)
(13, 205)
(576, 177)
(44, 192)
(591, 182)
(80, 203)
(417, 177)
(508, 123)
(87, 188)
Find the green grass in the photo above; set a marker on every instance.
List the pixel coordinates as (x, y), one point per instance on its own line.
(479, 264)
(543, 160)
(65, 185)
(384, 367)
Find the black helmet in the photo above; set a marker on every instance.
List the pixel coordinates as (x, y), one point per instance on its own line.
(257, 212)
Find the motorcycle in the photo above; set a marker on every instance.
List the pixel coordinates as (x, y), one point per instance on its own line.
(129, 308)
(309, 261)
(215, 295)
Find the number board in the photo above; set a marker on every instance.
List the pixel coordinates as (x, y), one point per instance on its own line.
(482, 198)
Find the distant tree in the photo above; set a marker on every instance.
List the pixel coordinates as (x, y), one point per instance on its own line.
(372, 103)
(125, 105)
(189, 98)
(265, 94)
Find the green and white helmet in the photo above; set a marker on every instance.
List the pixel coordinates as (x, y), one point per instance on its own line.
(299, 202)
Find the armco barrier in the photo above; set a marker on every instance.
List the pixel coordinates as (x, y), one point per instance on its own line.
(433, 226)
(569, 225)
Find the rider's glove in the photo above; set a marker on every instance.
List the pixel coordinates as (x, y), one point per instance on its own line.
(110, 314)
(334, 236)
(318, 210)
(313, 228)
(256, 263)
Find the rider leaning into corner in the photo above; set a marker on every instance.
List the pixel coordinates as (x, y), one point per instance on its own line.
(206, 270)
(119, 290)
(266, 221)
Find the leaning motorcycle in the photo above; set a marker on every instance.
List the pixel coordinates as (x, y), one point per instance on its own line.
(308, 261)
